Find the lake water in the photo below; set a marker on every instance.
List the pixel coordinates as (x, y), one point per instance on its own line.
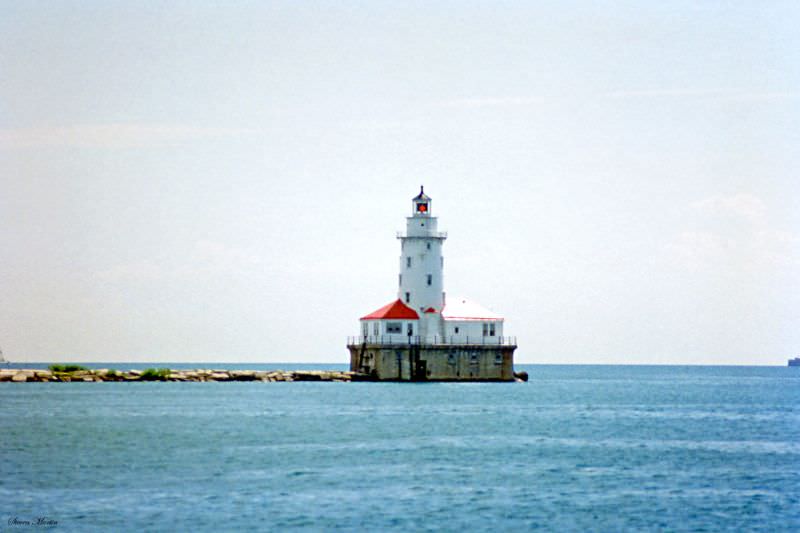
(601, 448)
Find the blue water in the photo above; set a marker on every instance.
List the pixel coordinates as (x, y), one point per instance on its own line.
(601, 448)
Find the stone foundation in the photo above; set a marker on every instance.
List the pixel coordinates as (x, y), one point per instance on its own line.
(453, 362)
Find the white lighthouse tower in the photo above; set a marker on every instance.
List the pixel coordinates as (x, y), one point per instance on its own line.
(420, 281)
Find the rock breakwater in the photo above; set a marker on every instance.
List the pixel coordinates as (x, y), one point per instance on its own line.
(24, 375)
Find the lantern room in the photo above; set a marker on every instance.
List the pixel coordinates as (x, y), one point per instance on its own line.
(421, 203)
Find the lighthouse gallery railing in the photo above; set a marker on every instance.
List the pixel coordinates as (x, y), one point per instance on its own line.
(432, 341)
(423, 235)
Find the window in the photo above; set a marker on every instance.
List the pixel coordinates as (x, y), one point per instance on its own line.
(408, 297)
(456, 330)
(429, 246)
(364, 329)
(376, 329)
(408, 262)
(498, 359)
(394, 327)
(410, 329)
(430, 279)
(485, 329)
(491, 329)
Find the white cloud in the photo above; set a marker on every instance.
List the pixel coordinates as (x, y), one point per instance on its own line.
(779, 248)
(743, 205)
(719, 94)
(114, 135)
(659, 93)
(698, 249)
(494, 101)
(737, 95)
(751, 245)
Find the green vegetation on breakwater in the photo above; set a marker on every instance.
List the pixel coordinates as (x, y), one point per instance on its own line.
(155, 374)
(67, 368)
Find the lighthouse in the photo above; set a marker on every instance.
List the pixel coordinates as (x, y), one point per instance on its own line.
(422, 335)
(421, 262)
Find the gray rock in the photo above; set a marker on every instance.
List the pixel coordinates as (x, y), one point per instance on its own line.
(104, 374)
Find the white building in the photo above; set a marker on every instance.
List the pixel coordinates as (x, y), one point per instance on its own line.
(465, 321)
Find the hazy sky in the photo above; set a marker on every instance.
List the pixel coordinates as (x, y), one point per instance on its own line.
(223, 181)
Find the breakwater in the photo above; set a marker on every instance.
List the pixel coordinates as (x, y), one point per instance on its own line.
(77, 374)
(23, 375)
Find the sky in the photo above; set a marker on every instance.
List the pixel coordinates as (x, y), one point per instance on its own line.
(222, 181)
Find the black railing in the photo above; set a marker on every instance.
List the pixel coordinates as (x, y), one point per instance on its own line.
(435, 340)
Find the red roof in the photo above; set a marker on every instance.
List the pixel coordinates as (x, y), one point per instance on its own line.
(430, 310)
(396, 309)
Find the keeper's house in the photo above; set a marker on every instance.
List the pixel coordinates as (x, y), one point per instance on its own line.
(423, 336)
